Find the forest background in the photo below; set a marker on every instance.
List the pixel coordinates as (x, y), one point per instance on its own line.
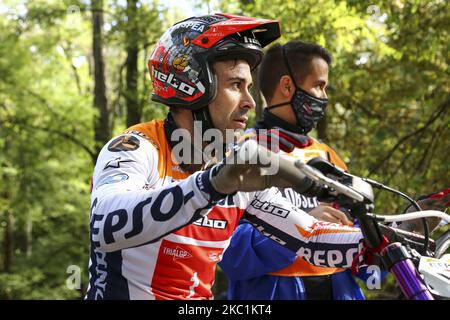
(73, 74)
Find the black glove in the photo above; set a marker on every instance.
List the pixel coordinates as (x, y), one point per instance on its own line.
(278, 138)
(247, 168)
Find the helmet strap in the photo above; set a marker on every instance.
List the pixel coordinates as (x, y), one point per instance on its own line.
(170, 126)
(204, 117)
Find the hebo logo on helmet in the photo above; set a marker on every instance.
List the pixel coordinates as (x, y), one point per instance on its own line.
(171, 80)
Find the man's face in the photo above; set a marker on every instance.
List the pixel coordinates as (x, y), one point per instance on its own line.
(229, 109)
(316, 81)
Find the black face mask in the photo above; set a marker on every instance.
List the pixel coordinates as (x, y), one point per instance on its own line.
(308, 110)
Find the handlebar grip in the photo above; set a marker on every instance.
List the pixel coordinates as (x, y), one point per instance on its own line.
(290, 172)
(275, 163)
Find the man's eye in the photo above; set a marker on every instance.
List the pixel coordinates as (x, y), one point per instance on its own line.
(236, 84)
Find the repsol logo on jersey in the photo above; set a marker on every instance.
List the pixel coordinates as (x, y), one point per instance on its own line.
(329, 258)
(228, 201)
(162, 208)
(269, 208)
(211, 223)
(173, 82)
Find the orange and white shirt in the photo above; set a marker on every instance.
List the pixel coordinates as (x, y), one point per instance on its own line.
(158, 232)
(301, 267)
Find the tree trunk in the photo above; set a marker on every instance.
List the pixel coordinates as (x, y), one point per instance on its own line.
(9, 242)
(28, 236)
(5, 195)
(101, 121)
(134, 112)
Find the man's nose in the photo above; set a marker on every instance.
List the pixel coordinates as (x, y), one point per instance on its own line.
(247, 101)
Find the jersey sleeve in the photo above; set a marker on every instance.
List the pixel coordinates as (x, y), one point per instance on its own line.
(320, 243)
(251, 254)
(129, 208)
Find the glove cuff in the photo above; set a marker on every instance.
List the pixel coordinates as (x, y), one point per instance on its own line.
(203, 181)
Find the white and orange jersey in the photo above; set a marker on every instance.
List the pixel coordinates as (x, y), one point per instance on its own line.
(158, 232)
(300, 267)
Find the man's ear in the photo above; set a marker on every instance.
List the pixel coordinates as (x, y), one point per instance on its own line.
(286, 86)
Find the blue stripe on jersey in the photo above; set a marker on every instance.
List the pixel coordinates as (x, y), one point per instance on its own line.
(116, 284)
(106, 279)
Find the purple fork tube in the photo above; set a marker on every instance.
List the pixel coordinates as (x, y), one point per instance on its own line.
(405, 273)
(409, 281)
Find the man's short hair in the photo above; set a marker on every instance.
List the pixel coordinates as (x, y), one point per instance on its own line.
(299, 54)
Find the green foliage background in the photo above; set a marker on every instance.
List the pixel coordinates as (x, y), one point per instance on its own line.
(388, 114)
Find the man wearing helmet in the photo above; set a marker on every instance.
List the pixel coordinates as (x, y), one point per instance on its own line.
(256, 267)
(158, 225)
